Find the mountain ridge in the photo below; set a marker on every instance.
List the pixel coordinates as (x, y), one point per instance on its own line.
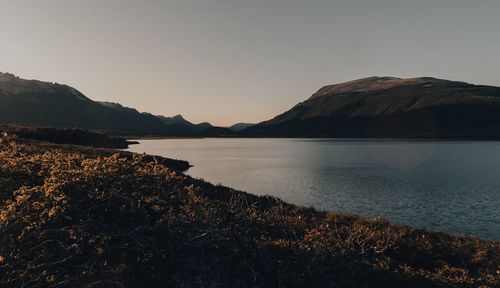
(423, 107)
(375, 83)
(34, 102)
(379, 107)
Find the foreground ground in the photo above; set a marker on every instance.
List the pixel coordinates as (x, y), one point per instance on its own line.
(78, 217)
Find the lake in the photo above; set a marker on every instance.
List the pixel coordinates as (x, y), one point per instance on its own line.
(449, 186)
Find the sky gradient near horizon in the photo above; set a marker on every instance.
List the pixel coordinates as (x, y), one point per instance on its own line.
(228, 61)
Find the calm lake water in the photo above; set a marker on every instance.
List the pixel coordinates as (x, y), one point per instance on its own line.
(450, 186)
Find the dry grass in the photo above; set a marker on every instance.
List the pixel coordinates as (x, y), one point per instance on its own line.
(78, 217)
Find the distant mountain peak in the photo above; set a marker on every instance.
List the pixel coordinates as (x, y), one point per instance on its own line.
(13, 85)
(373, 84)
(204, 125)
(4, 77)
(240, 126)
(178, 117)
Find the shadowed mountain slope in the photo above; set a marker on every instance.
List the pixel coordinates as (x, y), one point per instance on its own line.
(391, 107)
(50, 104)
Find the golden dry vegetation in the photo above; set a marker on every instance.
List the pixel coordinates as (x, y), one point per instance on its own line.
(79, 217)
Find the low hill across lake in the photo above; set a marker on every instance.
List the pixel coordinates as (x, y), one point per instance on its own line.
(72, 216)
(73, 136)
(382, 107)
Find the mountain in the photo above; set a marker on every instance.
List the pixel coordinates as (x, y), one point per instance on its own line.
(240, 126)
(181, 122)
(50, 104)
(391, 107)
(201, 129)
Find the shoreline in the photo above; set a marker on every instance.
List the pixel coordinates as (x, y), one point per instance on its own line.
(356, 139)
(220, 163)
(132, 219)
(160, 137)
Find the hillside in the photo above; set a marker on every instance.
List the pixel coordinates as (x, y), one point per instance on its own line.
(40, 103)
(392, 107)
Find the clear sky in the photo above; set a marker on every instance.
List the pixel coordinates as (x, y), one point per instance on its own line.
(227, 61)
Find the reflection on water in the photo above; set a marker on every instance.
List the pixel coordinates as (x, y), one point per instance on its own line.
(451, 186)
